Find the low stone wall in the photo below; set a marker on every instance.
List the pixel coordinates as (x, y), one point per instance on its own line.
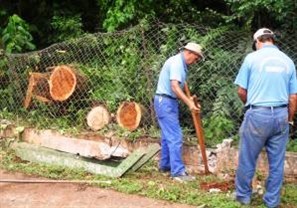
(222, 160)
(227, 159)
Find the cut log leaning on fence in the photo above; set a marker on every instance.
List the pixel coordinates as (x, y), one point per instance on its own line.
(38, 88)
(130, 114)
(63, 82)
(98, 117)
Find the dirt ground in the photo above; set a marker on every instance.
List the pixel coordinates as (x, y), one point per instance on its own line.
(66, 195)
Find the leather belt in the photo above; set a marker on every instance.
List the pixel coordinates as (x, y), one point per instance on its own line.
(266, 107)
(165, 95)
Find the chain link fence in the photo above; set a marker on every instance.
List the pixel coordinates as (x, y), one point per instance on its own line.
(111, 68)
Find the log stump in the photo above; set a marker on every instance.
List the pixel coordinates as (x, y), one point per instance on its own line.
(98, 117)
(129, 115)
(61, 83)
(64, 81)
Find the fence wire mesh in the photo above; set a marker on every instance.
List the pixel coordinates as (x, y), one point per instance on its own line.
(124, 66)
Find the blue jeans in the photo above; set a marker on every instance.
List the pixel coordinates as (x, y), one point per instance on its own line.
(269, 128)
(171, 135)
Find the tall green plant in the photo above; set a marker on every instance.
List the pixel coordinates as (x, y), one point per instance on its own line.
(16, 36)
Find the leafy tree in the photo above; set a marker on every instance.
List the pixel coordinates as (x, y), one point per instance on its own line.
(120, 13)
(66, 27)
(16, 36)
(71, 18)
(270, 13)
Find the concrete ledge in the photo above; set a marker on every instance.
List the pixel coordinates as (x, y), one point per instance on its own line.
(100, 148)
(221, 160)
(35, 153)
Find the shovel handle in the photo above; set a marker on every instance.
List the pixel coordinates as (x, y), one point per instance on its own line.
(198, 129)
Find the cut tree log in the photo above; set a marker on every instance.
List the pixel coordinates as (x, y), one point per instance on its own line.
(98, 117)
(130, 114)
(38, 88)
(64, 81)
(57, 85)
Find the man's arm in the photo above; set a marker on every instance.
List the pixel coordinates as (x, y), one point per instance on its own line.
(181, 95)
(242, 93)
(292, 106)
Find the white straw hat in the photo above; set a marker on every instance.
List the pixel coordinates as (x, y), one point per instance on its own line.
(195, 48)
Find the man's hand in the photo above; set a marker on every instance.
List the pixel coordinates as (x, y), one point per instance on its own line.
(193, 104)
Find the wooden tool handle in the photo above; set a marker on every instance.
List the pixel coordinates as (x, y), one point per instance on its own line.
(198, 128)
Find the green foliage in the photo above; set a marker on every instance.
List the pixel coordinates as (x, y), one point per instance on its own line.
(264, 12)
(3, 14)
(67, 18)
(289, 194)
(128, 186)
(217, 128)
(61, 118)
(292, 145)
(7, 101)
(16, 36)
(3, 65)
(119, 13)
(66, 27)
(225, 107)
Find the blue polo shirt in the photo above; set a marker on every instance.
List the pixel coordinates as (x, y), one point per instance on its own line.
(269, 76)
(174, 68)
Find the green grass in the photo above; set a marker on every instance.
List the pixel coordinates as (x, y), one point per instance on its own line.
(146, 182)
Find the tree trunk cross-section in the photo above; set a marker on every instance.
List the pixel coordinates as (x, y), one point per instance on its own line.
(98, 117)
(129, 115)
(58, 85)
(63, 82)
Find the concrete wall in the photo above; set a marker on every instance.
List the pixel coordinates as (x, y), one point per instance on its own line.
(221, 161)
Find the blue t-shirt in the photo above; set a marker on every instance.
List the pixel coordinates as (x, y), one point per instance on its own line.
(174, 68)
(269, 76)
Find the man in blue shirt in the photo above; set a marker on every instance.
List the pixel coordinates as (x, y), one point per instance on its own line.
(267, 86)
(171, 82)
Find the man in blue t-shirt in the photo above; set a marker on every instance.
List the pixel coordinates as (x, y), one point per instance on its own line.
(267, 85)
(171, 82)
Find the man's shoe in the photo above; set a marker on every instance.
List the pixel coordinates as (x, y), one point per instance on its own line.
(164, 172)
(184, 178)
(240, 201)
(243, 202)
(277, 206)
